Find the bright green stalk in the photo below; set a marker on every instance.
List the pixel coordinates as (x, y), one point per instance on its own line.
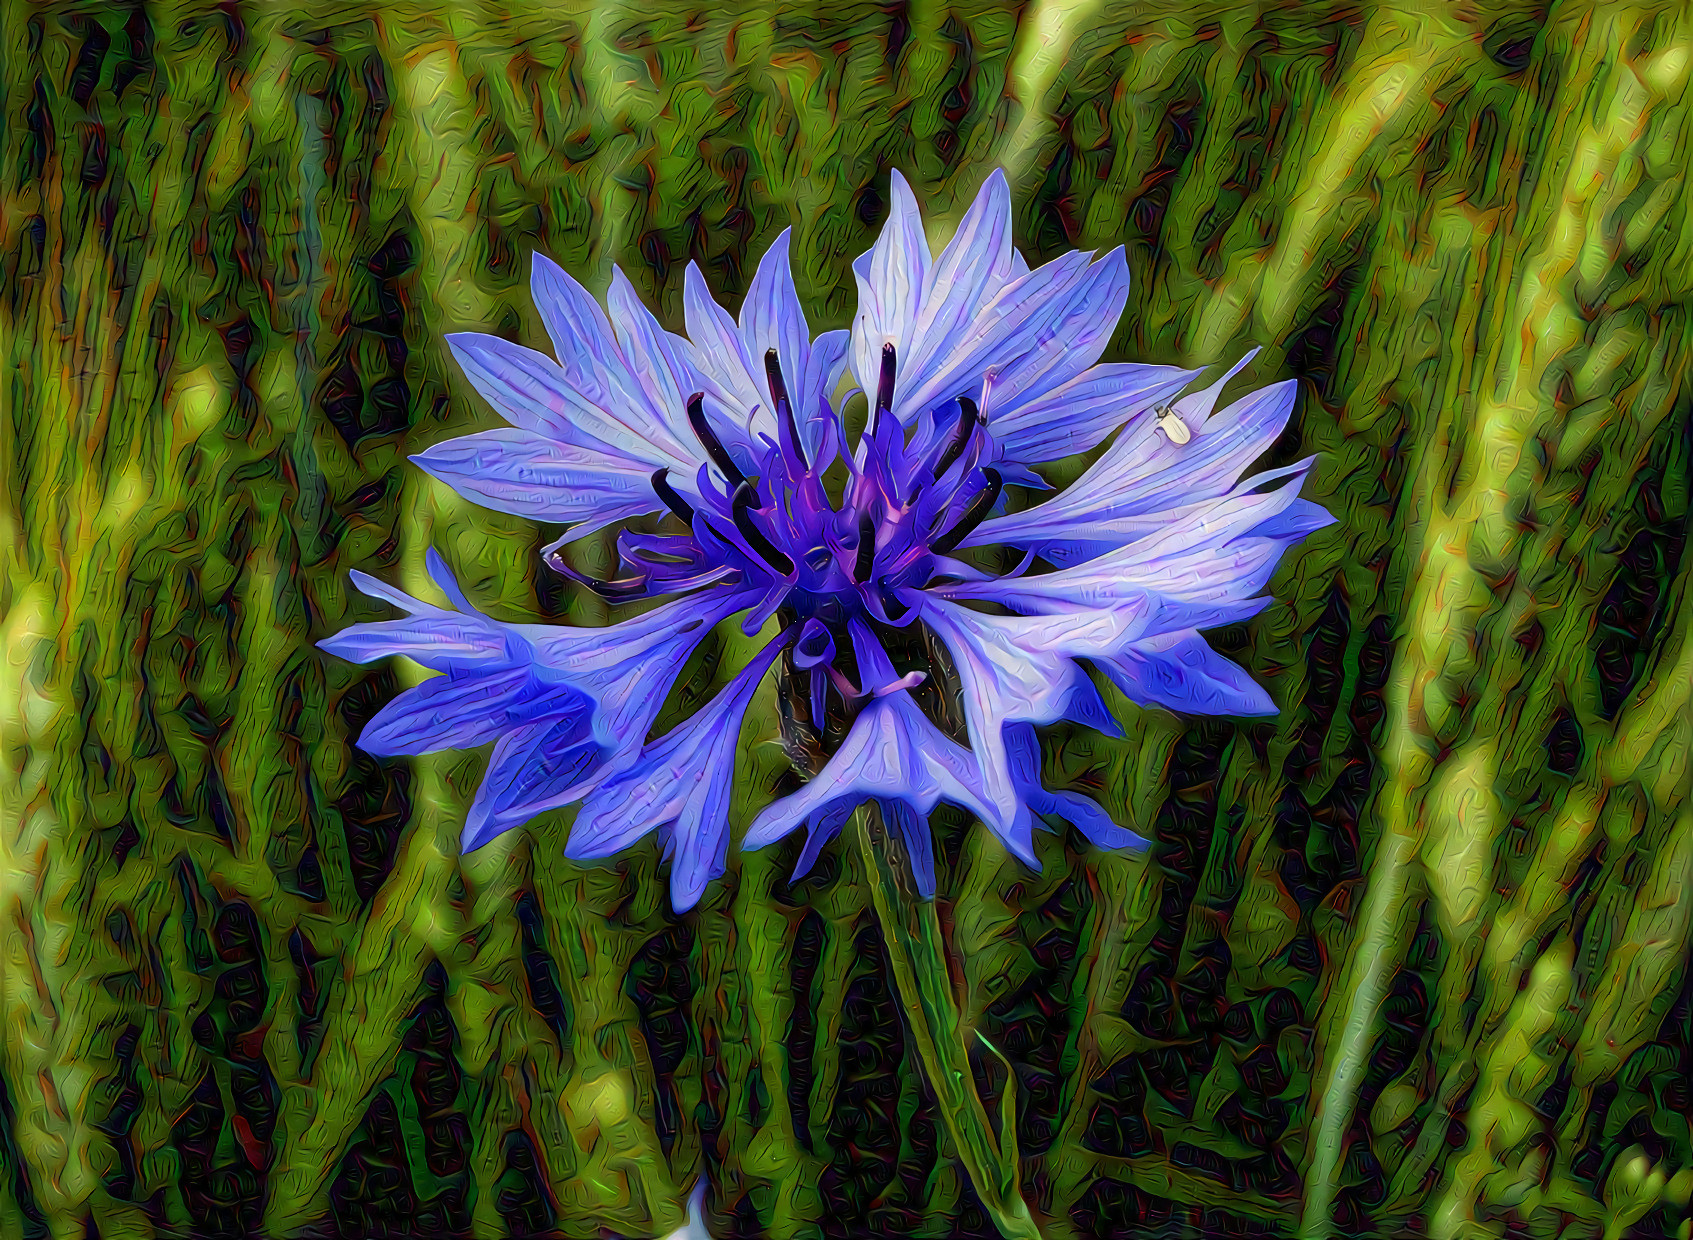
(918, 956)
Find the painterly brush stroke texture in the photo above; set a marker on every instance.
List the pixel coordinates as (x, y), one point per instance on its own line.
(1410, 957)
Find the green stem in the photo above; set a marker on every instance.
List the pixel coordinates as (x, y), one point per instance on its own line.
(917, 953)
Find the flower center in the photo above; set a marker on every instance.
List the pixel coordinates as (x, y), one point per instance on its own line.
(765, 519)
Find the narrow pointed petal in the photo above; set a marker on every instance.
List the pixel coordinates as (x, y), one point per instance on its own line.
(373, 588)
(892, 753)
(533, 392)
(657, 360)
(1076, 416)
(537, 767)
(438, 640)
(520, 472)
(1180, 671)
(1208, 552)
(974, 266)
(891, 278)
(1145, 473)
(718, 352)
(1036, 334)
(465, 710)
(629, 668)
(913, 833)
(448, 584)
(1019, 669)
(681, 783)
(771, 318)
(819, 830)
(822, 373)
(1081, 812)
(581, 334)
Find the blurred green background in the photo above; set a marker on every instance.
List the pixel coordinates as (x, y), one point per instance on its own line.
(1410, 957)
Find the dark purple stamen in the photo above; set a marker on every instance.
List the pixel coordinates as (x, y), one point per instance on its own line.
(784, 408)
(866, 549)
(968, 418)
(769, 552)
(985, 499)
(667, 493)
(884, 387)
(710, 442)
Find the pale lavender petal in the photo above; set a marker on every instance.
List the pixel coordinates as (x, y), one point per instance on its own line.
(1078, 415)
(974, 266)
(1019, 669)
(657, 360)
(581, 334)
(1146, 473)
(543, 479)
(531, 391)
(439, 641)
(822, 373)
(368, 585)
(1036, 334)
(771, 318)
(1204, 552)
(628, 668)
(892, 752)
(891, 278)
(718, 352)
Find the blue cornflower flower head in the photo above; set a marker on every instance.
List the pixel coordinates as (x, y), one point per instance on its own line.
(975, 369)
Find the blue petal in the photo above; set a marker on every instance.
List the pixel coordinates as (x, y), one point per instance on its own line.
(543, 479)
(822, 374)
(892, 753)
(1081, 812)
(658, 362)
(1145, 473)
(580, 332)
(681, 783)
(1205, 556)
(719, 355)
(629, 668)
(975, 265)
(1300, 518)
(1027, 339)
(820, 829)
(439, 642)
(537, 767)
(1019, 669)
(771, 318)
(464, 710)
(1075, 417)
(1087, 708)
(533, 392)
(891, 278)
(913, 833)
(432, 636)
(730, 357)
(1181, 672)
(448, 584)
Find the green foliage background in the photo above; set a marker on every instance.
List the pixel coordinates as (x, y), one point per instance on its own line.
(1411, 956)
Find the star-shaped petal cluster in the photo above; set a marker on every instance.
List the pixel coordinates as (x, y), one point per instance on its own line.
(974, 368)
